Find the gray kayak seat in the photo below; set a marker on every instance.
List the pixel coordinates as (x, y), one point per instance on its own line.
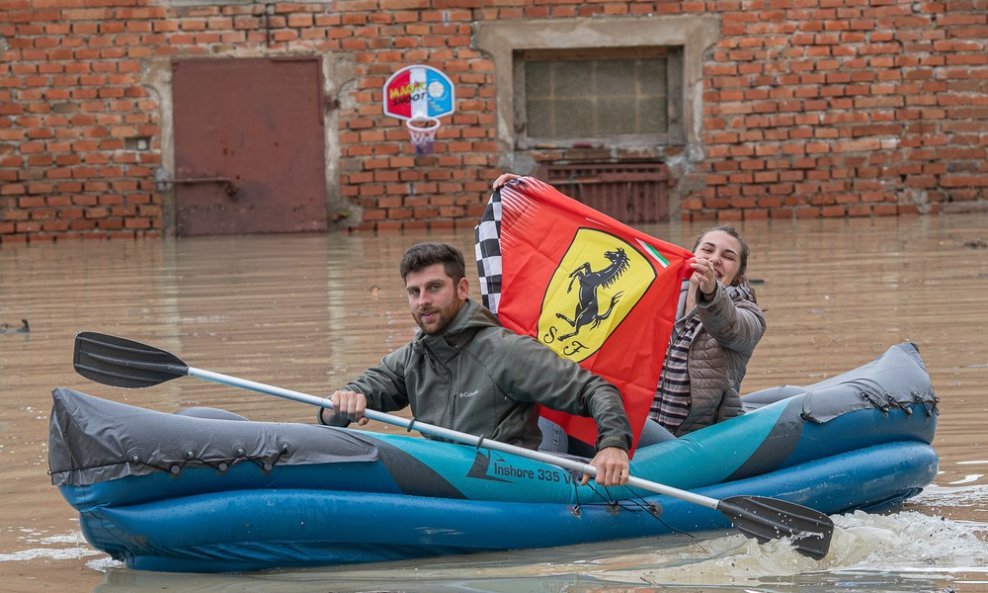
(94, 440)
(894, 380)
(764, 397)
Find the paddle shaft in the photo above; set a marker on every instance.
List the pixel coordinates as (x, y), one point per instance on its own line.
(451, 435)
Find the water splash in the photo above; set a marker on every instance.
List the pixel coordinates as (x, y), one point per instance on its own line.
(906, 544)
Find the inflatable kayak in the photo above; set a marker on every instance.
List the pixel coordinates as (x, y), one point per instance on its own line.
(209, 491)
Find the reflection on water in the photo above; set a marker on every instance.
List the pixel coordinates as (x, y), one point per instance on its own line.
(309, 312)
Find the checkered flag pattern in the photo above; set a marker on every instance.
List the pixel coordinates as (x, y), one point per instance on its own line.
(488, 253)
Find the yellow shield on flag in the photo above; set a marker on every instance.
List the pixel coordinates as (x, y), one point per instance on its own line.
(596, 284)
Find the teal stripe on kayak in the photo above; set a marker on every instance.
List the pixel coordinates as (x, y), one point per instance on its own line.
(703, 458)
(480, 474)
(711, 455)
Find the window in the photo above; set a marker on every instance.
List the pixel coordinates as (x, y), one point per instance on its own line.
(608, 82)
(579, 96)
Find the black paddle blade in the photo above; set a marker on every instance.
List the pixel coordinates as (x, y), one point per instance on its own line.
(124, 363)
(770, 518)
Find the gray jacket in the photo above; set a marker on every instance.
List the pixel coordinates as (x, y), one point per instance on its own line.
(482, 379)
(731, 325)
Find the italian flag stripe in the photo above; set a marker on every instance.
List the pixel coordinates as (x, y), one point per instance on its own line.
(654, 253)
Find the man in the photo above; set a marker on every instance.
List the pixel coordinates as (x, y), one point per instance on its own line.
(465, 372)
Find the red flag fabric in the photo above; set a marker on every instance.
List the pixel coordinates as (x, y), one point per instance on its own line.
(589, 287)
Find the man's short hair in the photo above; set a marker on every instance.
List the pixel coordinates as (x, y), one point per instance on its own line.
(421, 256)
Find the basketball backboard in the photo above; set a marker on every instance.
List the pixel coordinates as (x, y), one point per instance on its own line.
(418, 92)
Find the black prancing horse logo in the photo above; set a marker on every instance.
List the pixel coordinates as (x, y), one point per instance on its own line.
(588, 308)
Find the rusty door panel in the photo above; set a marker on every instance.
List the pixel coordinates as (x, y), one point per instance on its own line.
(249, 146)
(634, 193)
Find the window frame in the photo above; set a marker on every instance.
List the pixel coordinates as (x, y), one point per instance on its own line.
(695, 35)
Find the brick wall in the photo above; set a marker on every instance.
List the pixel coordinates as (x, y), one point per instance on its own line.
(810, 107)
(850, 108)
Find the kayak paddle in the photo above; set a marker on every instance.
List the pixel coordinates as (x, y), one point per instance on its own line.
(124, 363)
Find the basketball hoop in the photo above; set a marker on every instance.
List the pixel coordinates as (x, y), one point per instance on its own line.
(419, 95)
(423, 132)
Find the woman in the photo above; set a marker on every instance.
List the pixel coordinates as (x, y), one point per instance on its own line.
(717, 328)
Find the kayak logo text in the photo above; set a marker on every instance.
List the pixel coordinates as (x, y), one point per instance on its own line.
(496, 468)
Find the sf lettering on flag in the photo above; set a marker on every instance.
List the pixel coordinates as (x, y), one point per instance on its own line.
(589, 287)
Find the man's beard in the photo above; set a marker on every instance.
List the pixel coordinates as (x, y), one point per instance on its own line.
(438, 325)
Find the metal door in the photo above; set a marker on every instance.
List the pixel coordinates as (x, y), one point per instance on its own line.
(249, 146)
(634, 193)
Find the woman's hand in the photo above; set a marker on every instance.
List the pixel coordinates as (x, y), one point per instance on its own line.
(503, 179)
(704, 276)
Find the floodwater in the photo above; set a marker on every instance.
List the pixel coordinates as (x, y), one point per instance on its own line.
(308, 312)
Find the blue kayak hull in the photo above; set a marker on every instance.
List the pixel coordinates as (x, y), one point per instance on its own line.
(251, 530)
(173, 493)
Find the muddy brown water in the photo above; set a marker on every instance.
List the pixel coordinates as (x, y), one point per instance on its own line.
(309, 311)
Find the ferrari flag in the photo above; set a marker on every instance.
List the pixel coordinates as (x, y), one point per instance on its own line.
(591, 288)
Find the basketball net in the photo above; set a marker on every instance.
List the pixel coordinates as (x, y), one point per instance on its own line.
(423, 132)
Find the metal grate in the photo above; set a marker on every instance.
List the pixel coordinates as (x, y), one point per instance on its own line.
(634, 193)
